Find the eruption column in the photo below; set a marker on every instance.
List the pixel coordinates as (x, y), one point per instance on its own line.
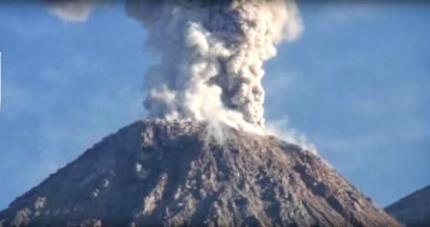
(212, 56)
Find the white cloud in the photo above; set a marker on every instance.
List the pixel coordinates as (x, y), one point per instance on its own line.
(71, 11)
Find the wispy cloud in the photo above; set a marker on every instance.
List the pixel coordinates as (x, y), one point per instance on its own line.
(69, 10)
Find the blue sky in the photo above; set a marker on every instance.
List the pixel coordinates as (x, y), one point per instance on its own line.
(357, 84)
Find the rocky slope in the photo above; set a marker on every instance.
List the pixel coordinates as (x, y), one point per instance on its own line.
(159, 173)
(414, 209)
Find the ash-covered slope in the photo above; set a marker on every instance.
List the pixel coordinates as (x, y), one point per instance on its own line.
(414, 209)
(154, 173)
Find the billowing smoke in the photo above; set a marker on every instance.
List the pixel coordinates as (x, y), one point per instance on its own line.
(212, 55)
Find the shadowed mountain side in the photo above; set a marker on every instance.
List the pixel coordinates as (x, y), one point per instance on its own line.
(173, 173)
(414, 209)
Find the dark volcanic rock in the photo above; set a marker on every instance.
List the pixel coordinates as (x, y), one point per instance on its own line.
(414, 209)
(159, 173)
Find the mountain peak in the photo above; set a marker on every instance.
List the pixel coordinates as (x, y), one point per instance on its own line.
(414, 209)
(174, 173)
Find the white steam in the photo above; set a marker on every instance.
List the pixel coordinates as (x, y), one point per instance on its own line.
(282, 129)
(212, 55)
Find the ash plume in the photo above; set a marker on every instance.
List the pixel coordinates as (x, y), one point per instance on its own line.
(212, 55)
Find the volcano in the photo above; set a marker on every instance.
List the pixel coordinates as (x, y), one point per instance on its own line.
(173, 173)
